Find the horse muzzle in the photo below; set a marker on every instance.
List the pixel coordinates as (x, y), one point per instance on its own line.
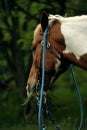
(34, 88)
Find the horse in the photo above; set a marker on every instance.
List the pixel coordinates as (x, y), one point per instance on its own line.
(66, 43)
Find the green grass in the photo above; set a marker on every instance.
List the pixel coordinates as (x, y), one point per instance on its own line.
(19, 127)
(63, 104)
(64, 107)
(64, 125)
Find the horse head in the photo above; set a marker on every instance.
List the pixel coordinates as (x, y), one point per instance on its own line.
(66, 43)
(54, 64)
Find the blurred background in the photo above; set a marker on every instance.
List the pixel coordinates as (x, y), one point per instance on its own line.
(18, 19)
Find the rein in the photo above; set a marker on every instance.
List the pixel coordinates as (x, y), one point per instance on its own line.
(43, 77)
(79, 98)
(41, 123)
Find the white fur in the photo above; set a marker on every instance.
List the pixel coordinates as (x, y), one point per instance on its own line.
(57, 65)
(74, 30)
(68, 19)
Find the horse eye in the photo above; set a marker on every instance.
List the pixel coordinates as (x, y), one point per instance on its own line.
(33, 48)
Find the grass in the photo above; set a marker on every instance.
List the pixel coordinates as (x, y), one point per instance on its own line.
(20, 127)
(65, 110)
(63, 104)
(64, 125)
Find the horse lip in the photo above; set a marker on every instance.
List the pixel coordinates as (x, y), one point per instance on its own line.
(28, 89)
(36, 87)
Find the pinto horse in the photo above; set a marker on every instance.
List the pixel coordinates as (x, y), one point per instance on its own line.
(66, 44)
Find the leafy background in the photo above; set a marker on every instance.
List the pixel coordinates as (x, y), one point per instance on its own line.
(18, 19)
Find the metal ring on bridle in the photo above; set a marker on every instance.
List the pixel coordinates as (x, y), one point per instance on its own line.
(42, 43)
(48, 45)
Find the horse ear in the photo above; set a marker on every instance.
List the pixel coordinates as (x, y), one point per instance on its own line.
(44, 20)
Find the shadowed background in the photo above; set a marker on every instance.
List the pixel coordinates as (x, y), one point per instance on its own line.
(18, 18)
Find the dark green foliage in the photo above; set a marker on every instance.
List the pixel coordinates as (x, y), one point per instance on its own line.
(18, 18)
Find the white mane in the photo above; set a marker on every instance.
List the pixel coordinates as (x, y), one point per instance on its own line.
(67, 19)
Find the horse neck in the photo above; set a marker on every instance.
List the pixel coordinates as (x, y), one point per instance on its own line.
(71, 39)
(82, 62)
(75, 39)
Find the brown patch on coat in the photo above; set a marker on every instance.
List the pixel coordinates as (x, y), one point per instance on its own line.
(82, 62)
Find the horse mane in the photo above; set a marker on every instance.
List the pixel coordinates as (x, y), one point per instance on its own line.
(62, 19)
(37, 32)
(58, 18)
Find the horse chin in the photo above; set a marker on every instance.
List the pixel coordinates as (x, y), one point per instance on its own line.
(37, 87)
(29, 90)
(34, 89)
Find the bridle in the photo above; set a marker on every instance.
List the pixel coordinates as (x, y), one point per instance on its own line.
(49, 47)
(42, 84)
(51, 51)
(43, 78)
(46, 45)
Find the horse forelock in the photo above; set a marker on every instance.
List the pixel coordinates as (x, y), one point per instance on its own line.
(37, 32)
(38, 29)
